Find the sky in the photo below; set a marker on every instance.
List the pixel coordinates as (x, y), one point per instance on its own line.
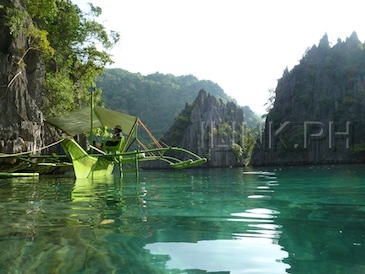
(243, 46)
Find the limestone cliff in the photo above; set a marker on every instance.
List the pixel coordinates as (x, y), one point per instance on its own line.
(211, 129)
(319, 109)
(21, 82)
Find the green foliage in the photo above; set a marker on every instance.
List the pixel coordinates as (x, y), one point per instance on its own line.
(224, 129)
(249, 140)
(37, 40)
(73, 45)
(237, 150)
(175, 133)
(358, 148)
(156, 98)
(58, 86)
(15, 19)
(250, 118)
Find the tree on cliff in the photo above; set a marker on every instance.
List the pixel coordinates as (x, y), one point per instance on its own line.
(71, 44)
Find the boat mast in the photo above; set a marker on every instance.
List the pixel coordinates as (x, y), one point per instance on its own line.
(91, 136)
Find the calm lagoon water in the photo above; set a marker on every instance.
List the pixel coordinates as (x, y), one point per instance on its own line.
(275, 220)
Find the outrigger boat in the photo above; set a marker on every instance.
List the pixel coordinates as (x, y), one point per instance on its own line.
(98, 163)
(95, 162)
(129, 150)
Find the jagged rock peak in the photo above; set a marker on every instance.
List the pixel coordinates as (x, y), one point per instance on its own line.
(210, 128)
(317, 115)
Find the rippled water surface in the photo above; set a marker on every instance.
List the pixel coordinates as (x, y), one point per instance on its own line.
(277, 220)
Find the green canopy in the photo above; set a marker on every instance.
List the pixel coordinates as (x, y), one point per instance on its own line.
(78, 122)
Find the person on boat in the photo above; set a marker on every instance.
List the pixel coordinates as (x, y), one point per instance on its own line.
(118, 134)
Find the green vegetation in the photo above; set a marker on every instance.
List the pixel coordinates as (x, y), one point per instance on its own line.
(250, 137)
(251, 119)
(156, 98)
(237, 150)
(176, 131)
(73, 49)
(164, 103)
(72, 44)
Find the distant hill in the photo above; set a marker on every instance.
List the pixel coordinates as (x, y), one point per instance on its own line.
(251, 119)
(318, 116)
(156, 98)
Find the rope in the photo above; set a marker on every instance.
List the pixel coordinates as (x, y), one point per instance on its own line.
(28, 152)
(150, 134)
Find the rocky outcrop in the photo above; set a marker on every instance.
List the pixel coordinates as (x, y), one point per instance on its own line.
(319, 109)
(211, 129)
(21, 83)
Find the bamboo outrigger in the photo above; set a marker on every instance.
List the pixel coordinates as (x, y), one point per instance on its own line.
(129, 150)
(96, 162)
(101, 163)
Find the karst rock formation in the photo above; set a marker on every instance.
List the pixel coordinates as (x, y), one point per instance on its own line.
(21, 83)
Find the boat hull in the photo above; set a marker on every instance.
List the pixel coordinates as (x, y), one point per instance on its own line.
(85, 165)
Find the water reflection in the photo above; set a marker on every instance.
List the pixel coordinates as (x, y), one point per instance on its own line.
(242, 255)
(213, 234)
(162, 222)
(102, 195)
(261, 223)
(197, 221)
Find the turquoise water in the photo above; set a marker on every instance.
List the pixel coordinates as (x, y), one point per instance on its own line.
(276, 220)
